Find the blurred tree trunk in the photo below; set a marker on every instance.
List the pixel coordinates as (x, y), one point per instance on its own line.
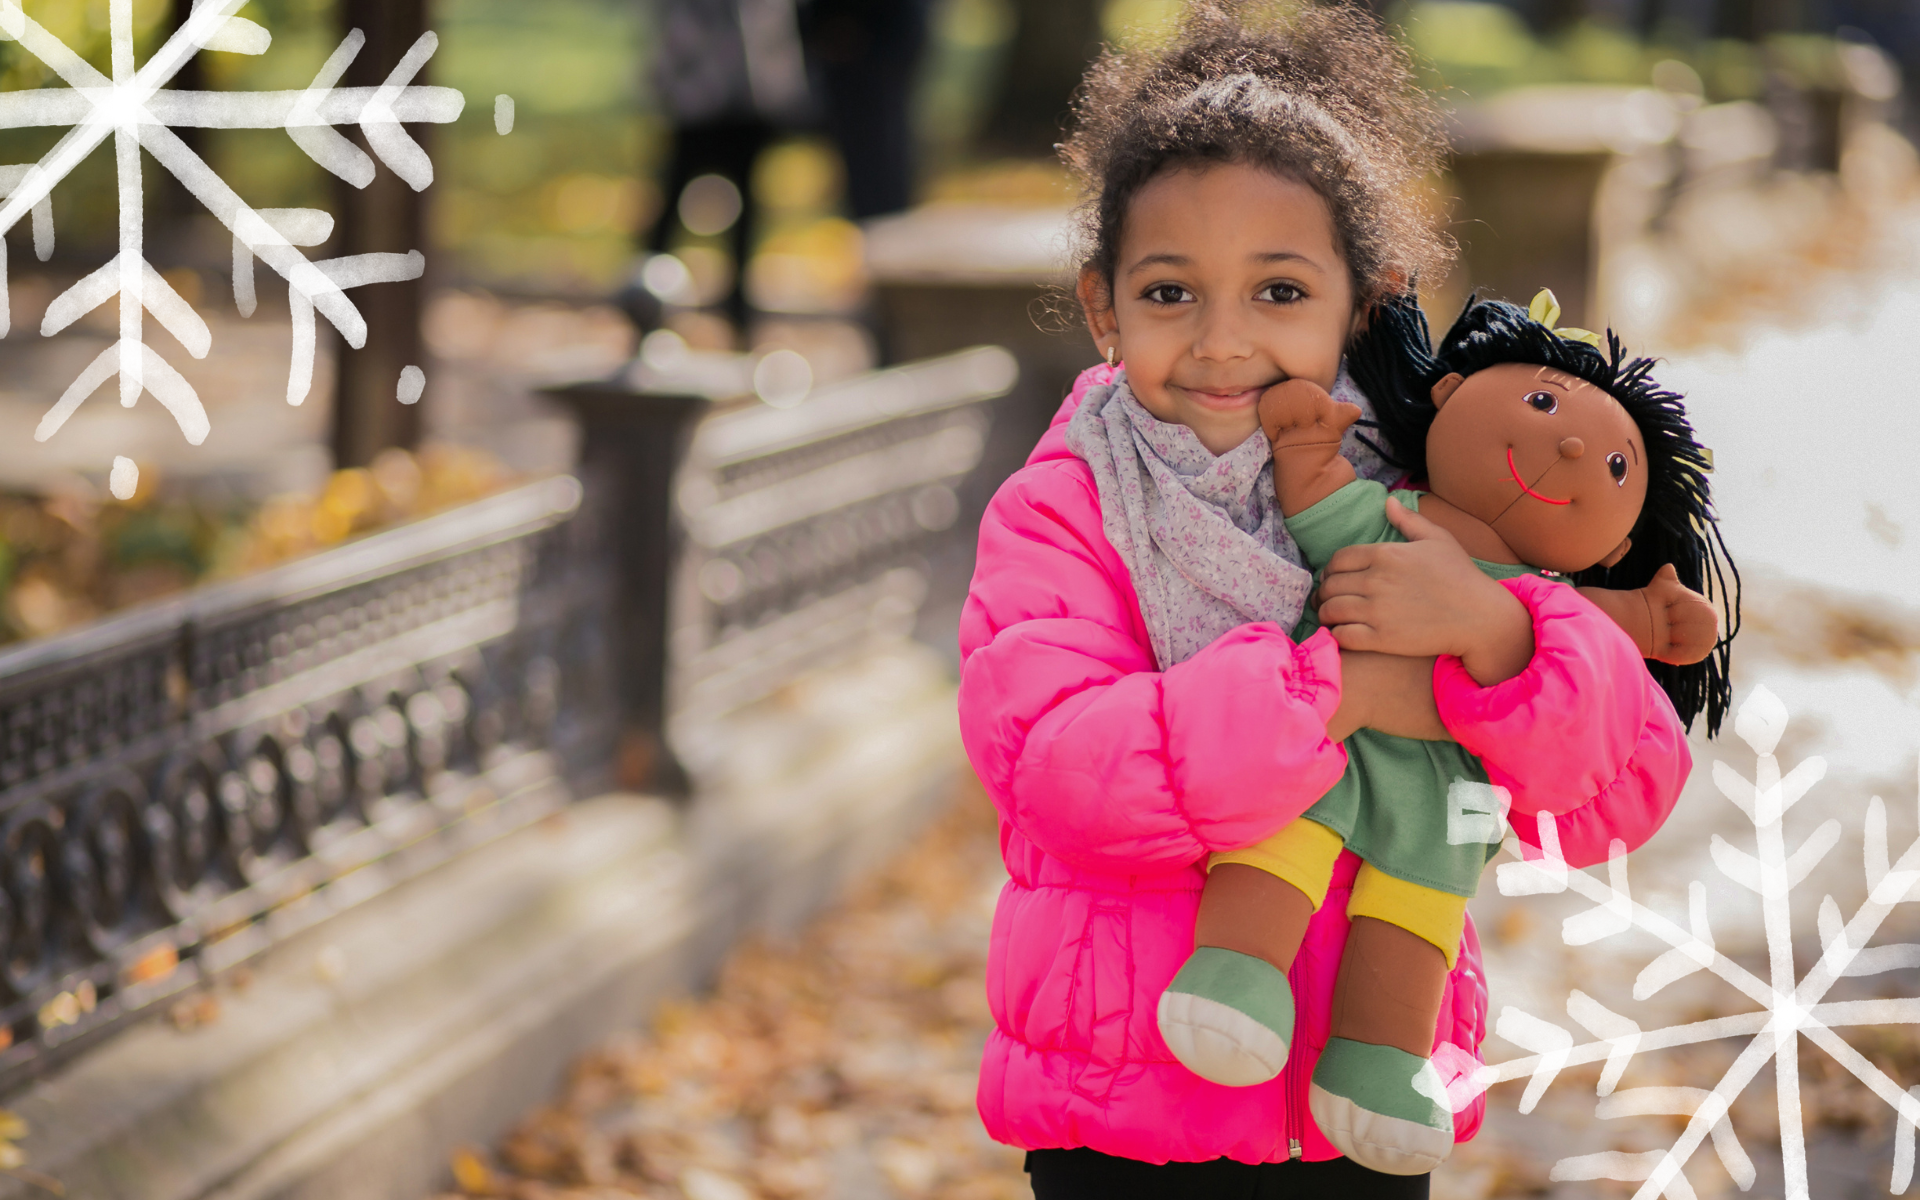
(389, 217)
(1053, 41)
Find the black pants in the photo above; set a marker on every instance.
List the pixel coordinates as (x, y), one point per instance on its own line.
(1073, 1174)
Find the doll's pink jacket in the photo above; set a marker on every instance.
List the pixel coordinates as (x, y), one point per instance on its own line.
(1114, 781)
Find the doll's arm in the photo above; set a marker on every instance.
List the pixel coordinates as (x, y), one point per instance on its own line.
(1667, 620)
(1305, 426)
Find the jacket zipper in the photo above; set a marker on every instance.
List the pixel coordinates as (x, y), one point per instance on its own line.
(1295, 1129)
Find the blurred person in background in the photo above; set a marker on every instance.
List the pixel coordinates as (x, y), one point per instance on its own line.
(731, 78)
(864, 56)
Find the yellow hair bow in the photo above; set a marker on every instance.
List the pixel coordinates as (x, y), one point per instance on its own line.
(1546, 310)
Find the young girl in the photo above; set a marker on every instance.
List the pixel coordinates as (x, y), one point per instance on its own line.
(1129, 696)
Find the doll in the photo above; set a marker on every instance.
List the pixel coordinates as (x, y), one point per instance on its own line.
(1543, 456)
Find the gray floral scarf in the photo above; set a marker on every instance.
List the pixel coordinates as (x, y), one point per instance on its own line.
(1201, 535)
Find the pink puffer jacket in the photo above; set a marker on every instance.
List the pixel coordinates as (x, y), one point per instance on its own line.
(1115, 780)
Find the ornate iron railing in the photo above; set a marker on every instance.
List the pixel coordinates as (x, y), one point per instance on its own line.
(185, 784)
(749, 543)
(808, 529)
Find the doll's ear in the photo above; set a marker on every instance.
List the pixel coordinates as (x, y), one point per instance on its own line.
(1443, 391)
(1619, 552)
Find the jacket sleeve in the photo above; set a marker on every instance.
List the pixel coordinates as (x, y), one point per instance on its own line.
(1095, 756)
(1583, 733)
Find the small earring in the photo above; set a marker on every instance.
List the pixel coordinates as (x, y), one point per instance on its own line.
(1113, 352)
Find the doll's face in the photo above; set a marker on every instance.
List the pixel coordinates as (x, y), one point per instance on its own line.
(1551, 462)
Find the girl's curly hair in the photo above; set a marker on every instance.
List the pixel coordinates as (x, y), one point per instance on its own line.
(1317, 94)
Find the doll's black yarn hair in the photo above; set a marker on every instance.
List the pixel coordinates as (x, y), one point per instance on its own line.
(1394, 362)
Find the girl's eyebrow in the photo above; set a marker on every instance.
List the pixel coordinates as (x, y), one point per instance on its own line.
(1275, 256)
(1181, 260)
(1158, 260)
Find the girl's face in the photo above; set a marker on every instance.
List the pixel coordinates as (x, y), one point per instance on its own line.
(1227, 281)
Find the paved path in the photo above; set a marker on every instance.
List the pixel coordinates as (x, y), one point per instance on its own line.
(840, 1065)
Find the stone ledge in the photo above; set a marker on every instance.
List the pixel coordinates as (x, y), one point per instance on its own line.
(435, 1014)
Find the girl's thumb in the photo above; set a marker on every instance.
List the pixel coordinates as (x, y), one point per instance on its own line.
(1413, 526)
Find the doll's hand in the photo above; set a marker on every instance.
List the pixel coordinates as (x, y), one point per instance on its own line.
(1304, 425)
(1686, 625)
(1424, 597)
(1299, 412)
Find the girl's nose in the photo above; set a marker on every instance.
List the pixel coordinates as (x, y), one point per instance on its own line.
(1223, 337)
(1572, 447)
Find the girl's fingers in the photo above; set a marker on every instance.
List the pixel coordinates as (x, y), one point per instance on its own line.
(1349, 583)
(1345, 610)
(1356, 637)
(1348, 559)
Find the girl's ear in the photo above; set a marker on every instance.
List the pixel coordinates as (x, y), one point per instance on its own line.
(1619, 552)
(1096, 301)
(1443, 391)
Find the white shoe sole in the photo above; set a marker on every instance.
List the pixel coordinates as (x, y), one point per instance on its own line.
(1220, 1043)
(1380, 1143)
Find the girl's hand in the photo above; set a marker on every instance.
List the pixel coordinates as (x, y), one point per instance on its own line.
(1388, 693)
(1424, 597)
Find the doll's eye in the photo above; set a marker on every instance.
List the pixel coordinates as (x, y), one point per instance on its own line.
(1546, 402)
(1617, 467)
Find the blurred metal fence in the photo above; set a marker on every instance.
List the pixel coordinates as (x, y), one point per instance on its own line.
(184, 785)
(808, 528)
(749, 543)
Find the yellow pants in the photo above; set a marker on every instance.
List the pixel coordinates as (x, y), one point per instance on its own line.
(1303, 855)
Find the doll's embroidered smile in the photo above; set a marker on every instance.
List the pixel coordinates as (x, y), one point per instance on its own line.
(1515, 472)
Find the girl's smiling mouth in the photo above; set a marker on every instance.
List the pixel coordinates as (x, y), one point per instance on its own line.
(1515, 472)
(1220, 401)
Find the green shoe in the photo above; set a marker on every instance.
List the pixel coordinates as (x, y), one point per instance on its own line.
(1382, 1107)
(1228, 1017)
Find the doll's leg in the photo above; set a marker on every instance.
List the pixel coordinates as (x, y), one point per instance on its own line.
(1375, 1094)
(1228, 1014)
(1405, 940)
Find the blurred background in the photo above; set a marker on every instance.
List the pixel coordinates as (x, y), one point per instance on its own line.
(873, 182)
(719, 259)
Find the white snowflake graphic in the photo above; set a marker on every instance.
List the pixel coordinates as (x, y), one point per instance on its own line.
(135, 108)
(1790, 1007)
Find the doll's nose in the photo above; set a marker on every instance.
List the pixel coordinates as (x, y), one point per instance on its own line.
(1572, 447)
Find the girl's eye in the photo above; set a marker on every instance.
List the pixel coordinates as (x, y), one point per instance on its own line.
(1165, 293)
(1283, 293)
(1617, 467)
(1546, 402)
